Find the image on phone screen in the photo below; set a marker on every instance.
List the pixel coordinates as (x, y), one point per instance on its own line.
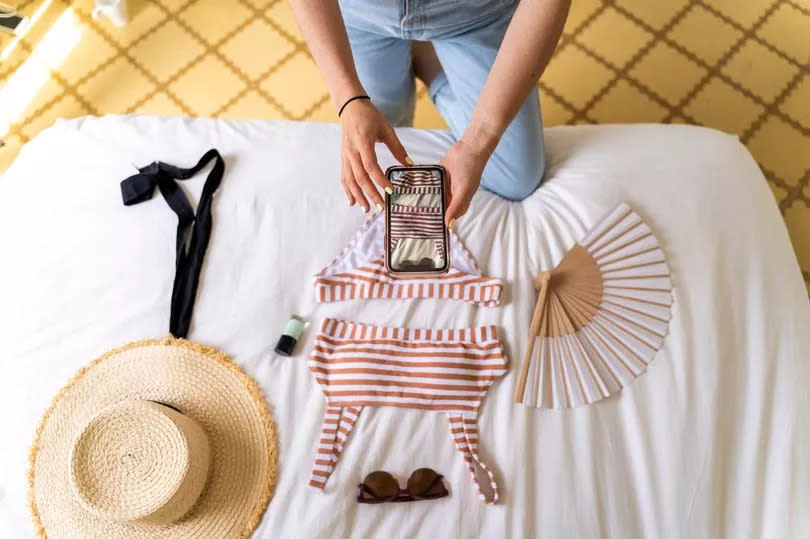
(416, 236)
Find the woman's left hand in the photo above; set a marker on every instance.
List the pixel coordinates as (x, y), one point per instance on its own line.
(464, 165)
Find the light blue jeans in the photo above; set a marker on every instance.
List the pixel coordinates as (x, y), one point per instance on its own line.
(466, 36)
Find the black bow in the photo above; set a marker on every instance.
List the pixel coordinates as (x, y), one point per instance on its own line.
(193, 232)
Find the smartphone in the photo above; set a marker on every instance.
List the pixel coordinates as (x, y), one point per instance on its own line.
(416, 239)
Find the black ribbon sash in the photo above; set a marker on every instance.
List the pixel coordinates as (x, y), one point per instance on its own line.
(193, 231)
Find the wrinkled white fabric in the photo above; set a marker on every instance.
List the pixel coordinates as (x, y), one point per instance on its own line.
(411, 250)
(417, 200)
(710, 442)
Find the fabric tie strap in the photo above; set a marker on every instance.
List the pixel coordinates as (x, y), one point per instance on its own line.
(338, 422)
(464, 432)
(193, 231)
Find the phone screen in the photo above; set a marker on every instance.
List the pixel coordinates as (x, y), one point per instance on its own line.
(416, 237)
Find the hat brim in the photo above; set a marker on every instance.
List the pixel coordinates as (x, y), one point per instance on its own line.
(196, 379)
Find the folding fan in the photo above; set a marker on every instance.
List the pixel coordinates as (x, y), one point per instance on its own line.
(601, 315)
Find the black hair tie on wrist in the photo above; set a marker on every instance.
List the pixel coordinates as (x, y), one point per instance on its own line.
(350, 100)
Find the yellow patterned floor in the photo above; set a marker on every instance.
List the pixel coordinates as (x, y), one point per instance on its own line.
(742, 66)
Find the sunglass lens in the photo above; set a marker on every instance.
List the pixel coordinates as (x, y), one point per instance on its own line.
(381, 484)
(424, 481)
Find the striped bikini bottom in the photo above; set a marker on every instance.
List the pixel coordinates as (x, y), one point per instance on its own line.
(447, 370)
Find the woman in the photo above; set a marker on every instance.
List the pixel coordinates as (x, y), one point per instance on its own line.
(480, 60)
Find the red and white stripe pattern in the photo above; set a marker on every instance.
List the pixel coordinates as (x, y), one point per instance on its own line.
(358, 272)
(337, 423)
(374, 281)
(416, 222)
(419, 223)
(445, 370)
(399, 208)
(416, 178)
(464, 431)
(419, 190)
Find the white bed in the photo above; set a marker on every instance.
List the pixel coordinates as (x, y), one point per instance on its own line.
(711, 442)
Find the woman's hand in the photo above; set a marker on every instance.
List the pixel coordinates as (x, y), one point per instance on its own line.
(364, 126)
(464, 163)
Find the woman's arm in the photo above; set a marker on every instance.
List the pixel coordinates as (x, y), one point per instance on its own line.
(526, 49)
(363, 125)
(325, 33)
(525, 52)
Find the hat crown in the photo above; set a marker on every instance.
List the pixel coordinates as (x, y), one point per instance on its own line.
(140, 461)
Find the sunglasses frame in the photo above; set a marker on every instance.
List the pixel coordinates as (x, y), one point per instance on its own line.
(402, 494)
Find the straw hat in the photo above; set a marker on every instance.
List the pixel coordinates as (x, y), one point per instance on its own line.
(158, 438)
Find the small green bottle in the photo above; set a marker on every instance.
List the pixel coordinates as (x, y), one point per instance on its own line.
(289, 337)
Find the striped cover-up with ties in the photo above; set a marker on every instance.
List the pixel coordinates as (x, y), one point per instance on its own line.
(446, 370)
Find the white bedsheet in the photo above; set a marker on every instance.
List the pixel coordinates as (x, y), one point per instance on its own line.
(711, 442)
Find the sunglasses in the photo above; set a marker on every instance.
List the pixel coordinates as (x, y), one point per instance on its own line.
(381, 487)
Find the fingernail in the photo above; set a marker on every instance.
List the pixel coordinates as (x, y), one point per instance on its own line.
(365, 210)
(453, 224)
(379, 207)
(408, 160)
(389, 190)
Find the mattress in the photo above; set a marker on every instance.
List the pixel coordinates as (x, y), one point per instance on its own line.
(710, 442)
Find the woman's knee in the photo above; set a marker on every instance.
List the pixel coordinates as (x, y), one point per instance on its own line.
(383, 66)
(518, 163)
(515, 177)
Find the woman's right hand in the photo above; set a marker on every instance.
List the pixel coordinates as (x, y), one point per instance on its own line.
(363, 126)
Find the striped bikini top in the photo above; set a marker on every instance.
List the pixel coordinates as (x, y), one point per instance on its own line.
(359, 272)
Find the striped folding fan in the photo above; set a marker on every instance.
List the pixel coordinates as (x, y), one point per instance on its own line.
(601, 315)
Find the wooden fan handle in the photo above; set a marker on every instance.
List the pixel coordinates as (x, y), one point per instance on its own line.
(537, 319)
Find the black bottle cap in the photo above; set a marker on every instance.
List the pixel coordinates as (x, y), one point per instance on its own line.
(285, 345)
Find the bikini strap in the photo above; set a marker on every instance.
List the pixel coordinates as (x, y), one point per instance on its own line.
(193, 231)
(338, 422)
(464, 431)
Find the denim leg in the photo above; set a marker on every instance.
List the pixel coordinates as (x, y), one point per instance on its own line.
(516, 167)
(384, 66)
